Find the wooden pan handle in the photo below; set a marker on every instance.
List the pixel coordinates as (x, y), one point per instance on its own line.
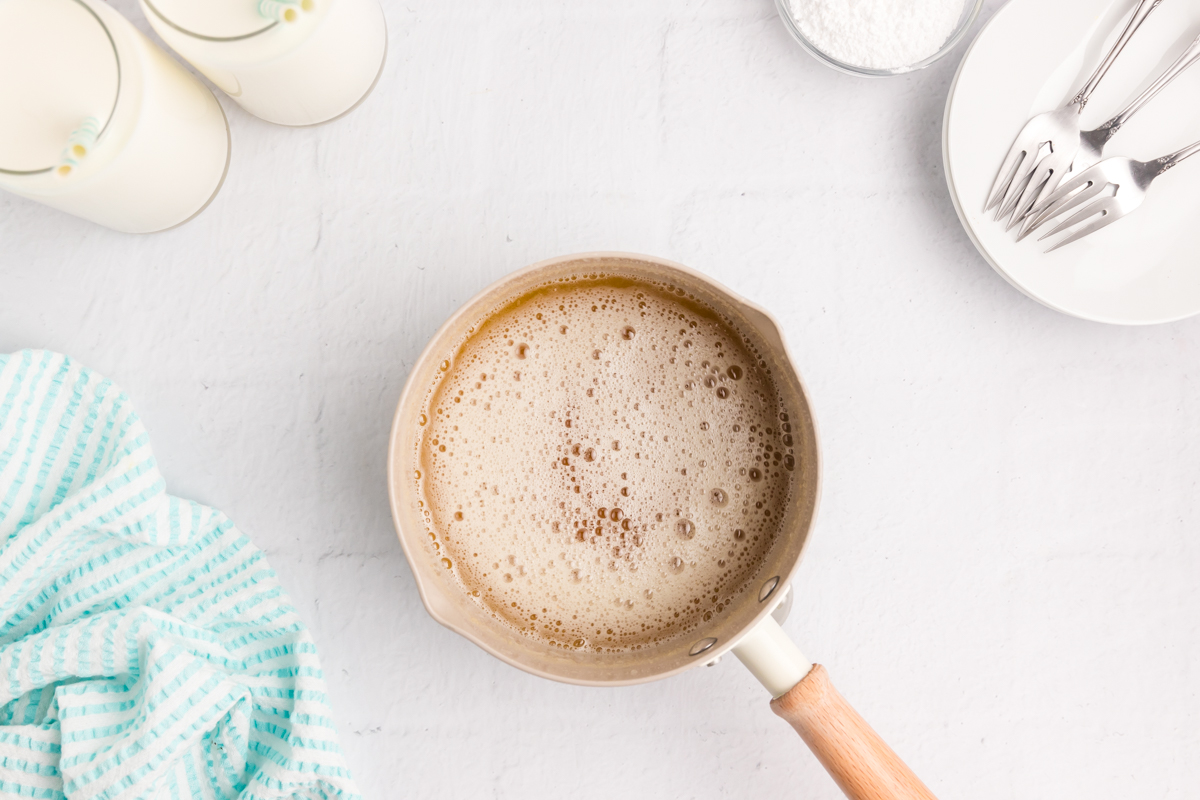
(861, 763)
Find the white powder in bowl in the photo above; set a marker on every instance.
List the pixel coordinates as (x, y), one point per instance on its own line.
(877, 34)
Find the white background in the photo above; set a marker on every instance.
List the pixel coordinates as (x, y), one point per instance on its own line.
(1004, 574)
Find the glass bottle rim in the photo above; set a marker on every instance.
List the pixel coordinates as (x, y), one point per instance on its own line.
(205, 37)
(116, 95)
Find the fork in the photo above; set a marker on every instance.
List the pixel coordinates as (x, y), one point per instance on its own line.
(1091, 143)
(1024, 173)
(1130, 179)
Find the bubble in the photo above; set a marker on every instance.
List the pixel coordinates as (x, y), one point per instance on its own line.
(739, 534)
(458, 515)
(677, 564)
(710, 381)
(616, 514)
(703, 426)
(686, 528)
(422, 419)
(447, 563)
(522, 349)
(755, 474)
(589, 455)
(508, 577)
(734, 372)
(628, 332)
(789, 462)
(417, 474)
(602, 512)
(445, 365)
(718, 497)
(722, 392)
(596, 355)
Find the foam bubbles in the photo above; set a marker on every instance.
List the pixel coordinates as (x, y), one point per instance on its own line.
(601, 441)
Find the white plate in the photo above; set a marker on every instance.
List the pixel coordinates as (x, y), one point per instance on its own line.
(1031, 57)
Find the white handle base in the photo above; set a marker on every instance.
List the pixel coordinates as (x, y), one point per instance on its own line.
(772, 657)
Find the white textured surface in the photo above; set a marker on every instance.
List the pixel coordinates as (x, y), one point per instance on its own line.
(1003, 577)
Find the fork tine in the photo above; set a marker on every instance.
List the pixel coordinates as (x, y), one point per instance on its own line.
(1027, 173)
(1050, 172)
(1022, 208)
(1042, 173)
(1006, 175)
(1088, 211)
(1019, 182)
(1106, 218)
(1061, 206)
(1021, 176)
(1069, 185)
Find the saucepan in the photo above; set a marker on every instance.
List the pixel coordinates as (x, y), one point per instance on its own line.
(861, 763)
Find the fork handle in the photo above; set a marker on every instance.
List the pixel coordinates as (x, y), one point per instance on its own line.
(1140, 12)
(1172, 159)
(1188, 57)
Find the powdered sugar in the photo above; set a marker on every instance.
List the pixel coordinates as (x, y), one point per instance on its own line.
(877, 34)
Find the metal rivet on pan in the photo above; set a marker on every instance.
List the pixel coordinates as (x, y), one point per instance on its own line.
(701, 646)
(768, 589)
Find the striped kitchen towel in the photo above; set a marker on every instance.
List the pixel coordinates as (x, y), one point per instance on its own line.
(146, 647)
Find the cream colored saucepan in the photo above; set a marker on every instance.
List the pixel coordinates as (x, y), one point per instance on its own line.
(861, 763)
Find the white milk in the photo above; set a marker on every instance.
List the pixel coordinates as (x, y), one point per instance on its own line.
(97, 121)
(292, 62)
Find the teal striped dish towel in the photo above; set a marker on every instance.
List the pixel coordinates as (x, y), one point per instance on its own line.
(146, 647)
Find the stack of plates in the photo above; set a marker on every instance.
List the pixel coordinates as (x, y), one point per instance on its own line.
(1033, 56)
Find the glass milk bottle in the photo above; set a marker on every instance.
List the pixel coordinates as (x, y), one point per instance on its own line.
(292, 62)
(99, 122)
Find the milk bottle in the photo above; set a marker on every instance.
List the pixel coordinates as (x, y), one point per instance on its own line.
(99, 122)
(292, 62)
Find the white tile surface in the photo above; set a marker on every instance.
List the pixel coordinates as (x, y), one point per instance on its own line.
(1003, 578)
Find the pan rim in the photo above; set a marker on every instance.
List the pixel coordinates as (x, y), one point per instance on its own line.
(718, 650)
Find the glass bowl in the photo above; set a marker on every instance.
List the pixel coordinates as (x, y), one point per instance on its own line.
(970, 12)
